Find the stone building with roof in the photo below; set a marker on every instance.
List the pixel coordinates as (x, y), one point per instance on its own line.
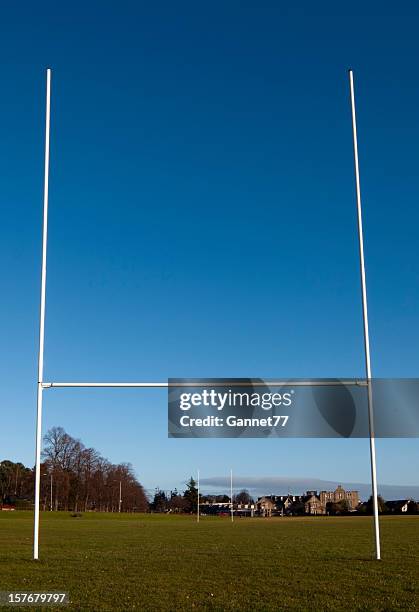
(338, 495)
(311, 503)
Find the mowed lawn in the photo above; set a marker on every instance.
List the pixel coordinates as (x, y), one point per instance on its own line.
(153, 562)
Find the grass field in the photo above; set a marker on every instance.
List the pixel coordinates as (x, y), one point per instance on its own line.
(153, 562)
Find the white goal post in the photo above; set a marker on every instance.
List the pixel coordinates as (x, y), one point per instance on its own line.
(42, 385)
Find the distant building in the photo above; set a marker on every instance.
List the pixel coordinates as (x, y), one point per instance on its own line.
(266, 505)
(402, 506)
(352, 497)
(311, 503)
(212, 507)
(280, 505)
(244, 509)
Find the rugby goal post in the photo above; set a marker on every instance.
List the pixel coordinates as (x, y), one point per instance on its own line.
(43, 385)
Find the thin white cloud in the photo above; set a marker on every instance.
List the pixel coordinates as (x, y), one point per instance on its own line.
(280, 485)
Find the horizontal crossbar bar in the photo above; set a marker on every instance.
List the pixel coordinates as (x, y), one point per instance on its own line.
(50, 385)
(274, 383)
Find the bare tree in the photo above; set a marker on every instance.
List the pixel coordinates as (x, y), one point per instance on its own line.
(83, 479)
(243, 497)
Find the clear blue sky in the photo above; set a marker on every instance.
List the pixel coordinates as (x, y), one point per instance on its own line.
(202, 219)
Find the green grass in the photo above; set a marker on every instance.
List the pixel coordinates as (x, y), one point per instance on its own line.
(152, 562)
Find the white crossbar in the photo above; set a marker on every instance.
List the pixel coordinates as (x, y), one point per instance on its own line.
(206, 383)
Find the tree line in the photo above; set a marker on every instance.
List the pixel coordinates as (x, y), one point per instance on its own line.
(73, 477)
(16, 482)
(77, 478)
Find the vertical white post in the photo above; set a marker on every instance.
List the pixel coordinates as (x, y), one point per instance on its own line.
(120, 496)
(197, 505)
(42, 326)
(365, 314)
(51, 495)
(231, 495)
